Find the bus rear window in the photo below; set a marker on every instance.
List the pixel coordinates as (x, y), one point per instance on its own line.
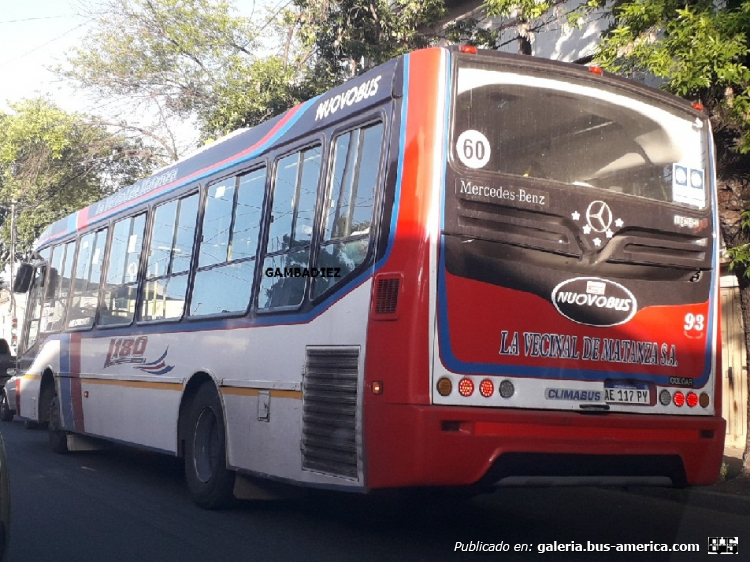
(539, 126)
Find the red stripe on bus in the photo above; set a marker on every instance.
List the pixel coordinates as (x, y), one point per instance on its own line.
(82, 218)
(392, 355)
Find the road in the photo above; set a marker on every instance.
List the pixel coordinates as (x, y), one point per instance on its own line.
(127, 505)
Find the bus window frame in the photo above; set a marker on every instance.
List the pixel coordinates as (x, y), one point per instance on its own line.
(95, 319)
(146, 249)
(111, 225)
(321, 139)
(372, 118)
(246, 169)
(560, 71)
(76, 239)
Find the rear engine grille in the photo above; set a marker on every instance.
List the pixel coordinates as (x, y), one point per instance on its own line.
(330, 440)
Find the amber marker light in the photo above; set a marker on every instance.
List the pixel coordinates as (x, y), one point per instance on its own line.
(468, 49)
(486, 388)
(596, 70)
(698, 106)
(704, 399)
(444, 386)
(465, 387)
(377, 388)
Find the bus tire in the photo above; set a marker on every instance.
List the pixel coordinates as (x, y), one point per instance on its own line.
(208, 479)
(58, 438)
(6, 414)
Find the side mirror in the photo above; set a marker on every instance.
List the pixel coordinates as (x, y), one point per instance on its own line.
(24, 275)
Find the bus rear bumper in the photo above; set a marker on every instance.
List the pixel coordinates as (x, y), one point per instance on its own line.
(446, 446)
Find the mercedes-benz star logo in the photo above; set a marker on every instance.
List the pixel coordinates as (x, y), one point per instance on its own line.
(599, 216)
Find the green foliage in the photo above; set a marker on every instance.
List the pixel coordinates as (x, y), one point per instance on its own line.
(525, 9)
(740, 255)
(700, 49)
(350, 36)
(197, 59)
(52, 163)
(189, 57)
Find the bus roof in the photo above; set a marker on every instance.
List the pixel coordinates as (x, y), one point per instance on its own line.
(232, 150)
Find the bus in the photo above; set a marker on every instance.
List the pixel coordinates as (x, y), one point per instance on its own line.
(460, 269)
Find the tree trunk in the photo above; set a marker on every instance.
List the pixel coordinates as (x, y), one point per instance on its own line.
(733, 171)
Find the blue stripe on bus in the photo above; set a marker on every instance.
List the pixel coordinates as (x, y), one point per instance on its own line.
(65, 385)
(399, 166)
(72, 220)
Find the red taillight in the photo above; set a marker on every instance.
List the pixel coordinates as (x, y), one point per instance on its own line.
(595, 70)
(469, 49)
(679, 399)
(486, 388)
(465, 387)
(692, 399)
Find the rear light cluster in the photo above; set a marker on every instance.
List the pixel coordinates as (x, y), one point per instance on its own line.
(680, 399)
(466, 387)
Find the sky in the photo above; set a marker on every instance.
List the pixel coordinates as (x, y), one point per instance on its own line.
(35, 35)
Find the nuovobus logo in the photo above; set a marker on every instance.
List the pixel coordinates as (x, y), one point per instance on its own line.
(594, 301)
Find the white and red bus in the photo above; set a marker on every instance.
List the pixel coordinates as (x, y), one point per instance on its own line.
(460, 268)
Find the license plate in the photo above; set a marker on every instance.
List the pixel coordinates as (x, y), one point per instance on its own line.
(626, 394)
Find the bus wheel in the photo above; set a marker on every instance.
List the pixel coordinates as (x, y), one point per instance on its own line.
(57, 437)
(208, 479)
(6, 414)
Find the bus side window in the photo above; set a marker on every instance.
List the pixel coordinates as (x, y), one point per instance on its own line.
(120, 286)
(56, 294)
(290, 229)
(349, 204)
(33, 316)
(226, 262)
(85, 285)
(170, 252)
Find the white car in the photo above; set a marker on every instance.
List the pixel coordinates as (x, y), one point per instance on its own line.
(8, 398)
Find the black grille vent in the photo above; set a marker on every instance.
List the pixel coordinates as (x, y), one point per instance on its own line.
(386, 295)
(329, 431)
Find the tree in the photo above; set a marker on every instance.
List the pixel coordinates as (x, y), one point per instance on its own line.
(53, 163)
(194, 59)
(175, 60)
(699, 49)
(352, 36)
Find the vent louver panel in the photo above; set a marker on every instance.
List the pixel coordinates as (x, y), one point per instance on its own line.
(386, 295)
(329, 427)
